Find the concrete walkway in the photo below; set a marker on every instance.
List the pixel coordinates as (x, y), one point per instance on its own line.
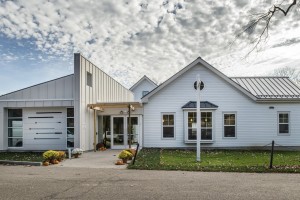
(100, 159)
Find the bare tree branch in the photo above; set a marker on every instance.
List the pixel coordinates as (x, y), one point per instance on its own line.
(266, 19)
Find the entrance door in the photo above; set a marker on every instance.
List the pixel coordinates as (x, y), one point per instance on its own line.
(119, 138)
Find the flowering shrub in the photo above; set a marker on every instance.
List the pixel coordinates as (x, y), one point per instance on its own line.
(125, 155)
(61, 155)
(77, 151)
(50, 155)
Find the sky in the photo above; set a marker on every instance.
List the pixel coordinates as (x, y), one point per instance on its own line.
(131, 38)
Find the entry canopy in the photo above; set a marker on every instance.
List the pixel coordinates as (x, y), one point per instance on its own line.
(103, 105)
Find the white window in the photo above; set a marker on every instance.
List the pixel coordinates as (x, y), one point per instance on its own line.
(229, 125)
(15, 128)
(168, 125)
(144, 93)
(70, 127)
(89, 79)
(206, 126)
(283, 123)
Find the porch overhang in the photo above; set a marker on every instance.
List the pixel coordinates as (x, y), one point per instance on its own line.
(101, 106)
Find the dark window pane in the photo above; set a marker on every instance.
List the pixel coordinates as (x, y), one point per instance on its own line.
(283, 118)
(192, 134)
(134, 121)
(70, 112)
(15, 132)
(70, 122)
(70, 142)
(70, 132)
(206, 134)
(171, 119)
(168, 132)
(15, 113)
(165, 119)
(89, 79)
(15, 142)
(229, 131)
(283, 128)
(15, 123)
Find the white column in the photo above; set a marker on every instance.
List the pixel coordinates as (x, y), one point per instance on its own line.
(198, 119)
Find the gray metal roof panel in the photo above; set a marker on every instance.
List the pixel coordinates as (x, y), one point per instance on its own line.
(269, 87)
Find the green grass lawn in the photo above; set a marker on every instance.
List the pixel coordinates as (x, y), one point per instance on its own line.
(22, 156)
(217, 160)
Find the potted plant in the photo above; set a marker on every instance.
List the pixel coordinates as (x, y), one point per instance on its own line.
(76, 152)
(125, 155)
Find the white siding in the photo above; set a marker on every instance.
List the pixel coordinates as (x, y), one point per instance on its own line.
(105, 89)
(143, 86)
(256, 123)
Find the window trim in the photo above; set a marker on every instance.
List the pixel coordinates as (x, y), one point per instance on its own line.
(186, 127)
(289, 123)
(223, 125)
(162, 126)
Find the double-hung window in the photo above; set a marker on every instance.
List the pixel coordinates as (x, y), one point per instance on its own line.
(206, 126)
(283, 123)
(229, 123)
(168, 125)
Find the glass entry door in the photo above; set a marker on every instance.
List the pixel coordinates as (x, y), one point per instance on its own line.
(118, 132)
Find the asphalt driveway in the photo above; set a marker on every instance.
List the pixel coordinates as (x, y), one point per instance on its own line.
(21, 182)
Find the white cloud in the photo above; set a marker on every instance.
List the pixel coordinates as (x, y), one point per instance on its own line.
(131, 38)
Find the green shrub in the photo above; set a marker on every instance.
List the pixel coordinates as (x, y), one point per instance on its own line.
(125, 155)
(50, 155)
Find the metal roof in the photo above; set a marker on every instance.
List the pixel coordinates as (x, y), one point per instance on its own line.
(269, 87)
(203, 104)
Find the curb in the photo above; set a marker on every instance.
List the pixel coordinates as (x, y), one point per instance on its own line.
(11, 162)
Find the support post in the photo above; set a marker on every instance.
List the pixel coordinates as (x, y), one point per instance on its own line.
(198, 119)
(272, 153)
(129, 125)
(95, 133)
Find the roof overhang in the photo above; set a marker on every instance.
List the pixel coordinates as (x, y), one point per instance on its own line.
(103, 105)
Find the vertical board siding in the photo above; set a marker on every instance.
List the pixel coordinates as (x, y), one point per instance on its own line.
(256, 123)
(60, 88)
(105, 89)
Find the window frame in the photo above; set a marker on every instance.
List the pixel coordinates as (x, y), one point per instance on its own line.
(17, 127)
(278, 123)
(235, 124)
(186, 116)
(162, 126)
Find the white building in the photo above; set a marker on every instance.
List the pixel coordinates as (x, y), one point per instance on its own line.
(235, 112)
(90, 107)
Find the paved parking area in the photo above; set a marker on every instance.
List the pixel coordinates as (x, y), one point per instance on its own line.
(22, 182)
(99, 159)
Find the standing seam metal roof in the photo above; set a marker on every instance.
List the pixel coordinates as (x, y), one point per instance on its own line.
(269, 87)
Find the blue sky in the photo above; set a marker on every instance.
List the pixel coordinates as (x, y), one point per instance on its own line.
(129, 39)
